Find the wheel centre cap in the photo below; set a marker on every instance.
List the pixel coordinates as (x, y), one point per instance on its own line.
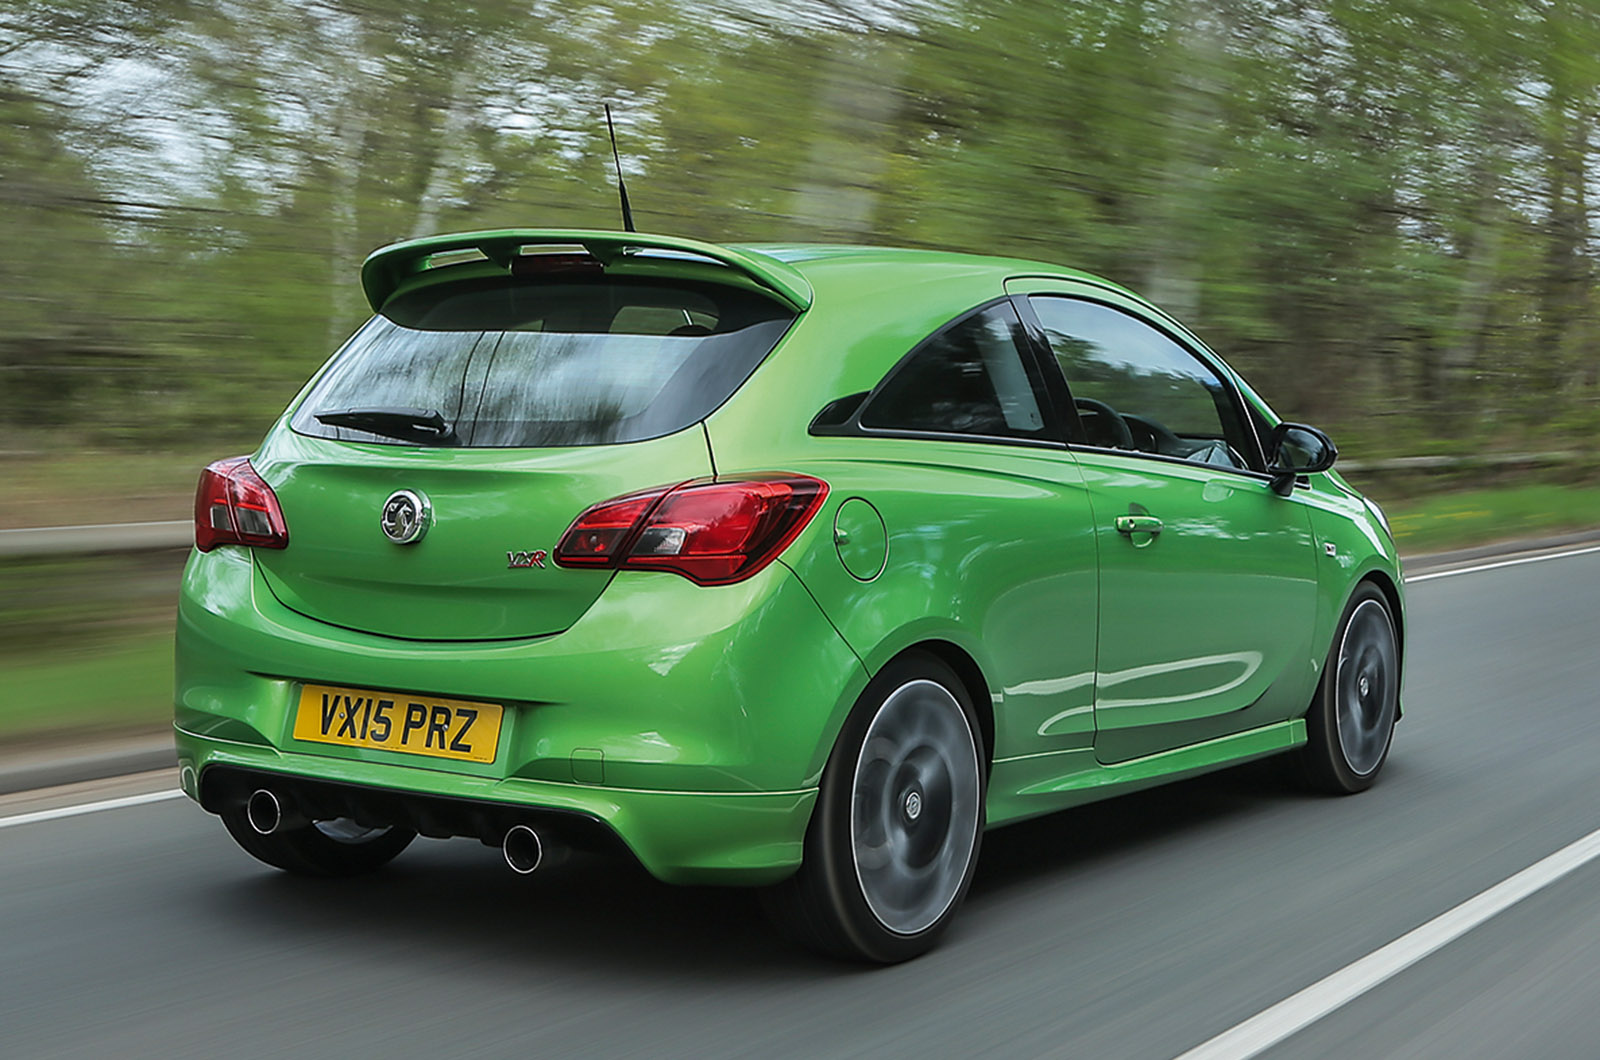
(1362, 686)
(913, 804)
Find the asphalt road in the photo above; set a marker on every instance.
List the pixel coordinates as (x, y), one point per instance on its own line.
(1139, 927)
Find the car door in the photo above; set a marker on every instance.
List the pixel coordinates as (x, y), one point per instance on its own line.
(1207, 576)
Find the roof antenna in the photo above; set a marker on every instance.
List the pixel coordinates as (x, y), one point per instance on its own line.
(622, 189)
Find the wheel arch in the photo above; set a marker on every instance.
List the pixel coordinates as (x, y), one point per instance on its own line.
(1385, 584)
(966, 669)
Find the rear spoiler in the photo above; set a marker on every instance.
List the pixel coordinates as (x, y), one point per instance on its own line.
(386, 270)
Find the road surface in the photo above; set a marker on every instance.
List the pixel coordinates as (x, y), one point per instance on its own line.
(1141, 927)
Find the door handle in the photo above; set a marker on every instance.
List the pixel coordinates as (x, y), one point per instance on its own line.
(1138, 524)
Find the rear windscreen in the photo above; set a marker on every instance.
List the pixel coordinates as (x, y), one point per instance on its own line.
(508, 363)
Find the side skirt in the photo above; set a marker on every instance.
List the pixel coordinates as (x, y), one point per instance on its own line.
(1030, 785)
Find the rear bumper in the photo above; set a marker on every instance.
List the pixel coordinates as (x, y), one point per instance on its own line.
(693, 723)
(679, 837)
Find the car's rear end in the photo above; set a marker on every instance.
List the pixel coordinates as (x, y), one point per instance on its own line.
(483, 574)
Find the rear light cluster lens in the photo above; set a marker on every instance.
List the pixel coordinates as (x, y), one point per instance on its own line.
(234, 506)
(596, 537)
(713, 533)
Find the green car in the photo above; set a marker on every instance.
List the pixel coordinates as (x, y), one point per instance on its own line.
(787, 566)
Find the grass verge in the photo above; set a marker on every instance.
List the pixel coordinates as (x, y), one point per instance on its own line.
(115, 685)
(1477, 517)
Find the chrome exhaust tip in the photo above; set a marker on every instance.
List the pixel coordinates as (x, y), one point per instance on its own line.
(522, 849)
(268, 814)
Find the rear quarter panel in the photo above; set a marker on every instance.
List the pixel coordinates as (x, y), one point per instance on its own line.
(990, 549)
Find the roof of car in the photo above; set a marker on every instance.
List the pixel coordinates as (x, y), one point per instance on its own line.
(807, 257)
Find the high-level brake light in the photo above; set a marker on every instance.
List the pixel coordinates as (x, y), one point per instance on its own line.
(713, 533)
(234, 506)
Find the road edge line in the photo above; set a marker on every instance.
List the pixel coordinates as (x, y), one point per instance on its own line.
(1518, 561)
(81, 808)
(1298, 1011)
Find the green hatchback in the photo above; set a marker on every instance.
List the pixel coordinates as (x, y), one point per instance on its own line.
(789, 566)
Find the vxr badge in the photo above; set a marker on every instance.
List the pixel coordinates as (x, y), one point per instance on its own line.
(535, 558)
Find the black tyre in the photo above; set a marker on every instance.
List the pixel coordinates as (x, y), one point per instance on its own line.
(895, 835)
(338, 847)
(1351, 721)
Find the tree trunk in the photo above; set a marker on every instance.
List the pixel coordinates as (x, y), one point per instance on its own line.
(837, 197)
(350, 139)
(457, 109)
(1173, 255)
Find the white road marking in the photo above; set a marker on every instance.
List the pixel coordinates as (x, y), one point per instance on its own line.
(1271, 1026)
(1502, 563)
(89, 807)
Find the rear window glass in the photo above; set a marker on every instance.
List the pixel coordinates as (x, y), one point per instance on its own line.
(508, 363)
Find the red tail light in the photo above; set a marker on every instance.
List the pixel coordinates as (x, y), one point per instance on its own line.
(713, 533)
(234, 506)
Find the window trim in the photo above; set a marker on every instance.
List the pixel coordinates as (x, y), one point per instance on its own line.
(1051, 434)
(1062, 389)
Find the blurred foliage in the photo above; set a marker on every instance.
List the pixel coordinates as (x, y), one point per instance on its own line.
(81, 603)
(1377, 209)
(124, 685)
(86, 643)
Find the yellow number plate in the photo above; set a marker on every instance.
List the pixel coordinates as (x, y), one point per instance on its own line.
(391, 721)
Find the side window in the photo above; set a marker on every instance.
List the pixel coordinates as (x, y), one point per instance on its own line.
(1137, 389)
(969, 378)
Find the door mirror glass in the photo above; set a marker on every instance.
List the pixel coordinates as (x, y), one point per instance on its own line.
(1296, 449)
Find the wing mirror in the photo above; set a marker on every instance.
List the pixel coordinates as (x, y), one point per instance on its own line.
(1293, 449)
